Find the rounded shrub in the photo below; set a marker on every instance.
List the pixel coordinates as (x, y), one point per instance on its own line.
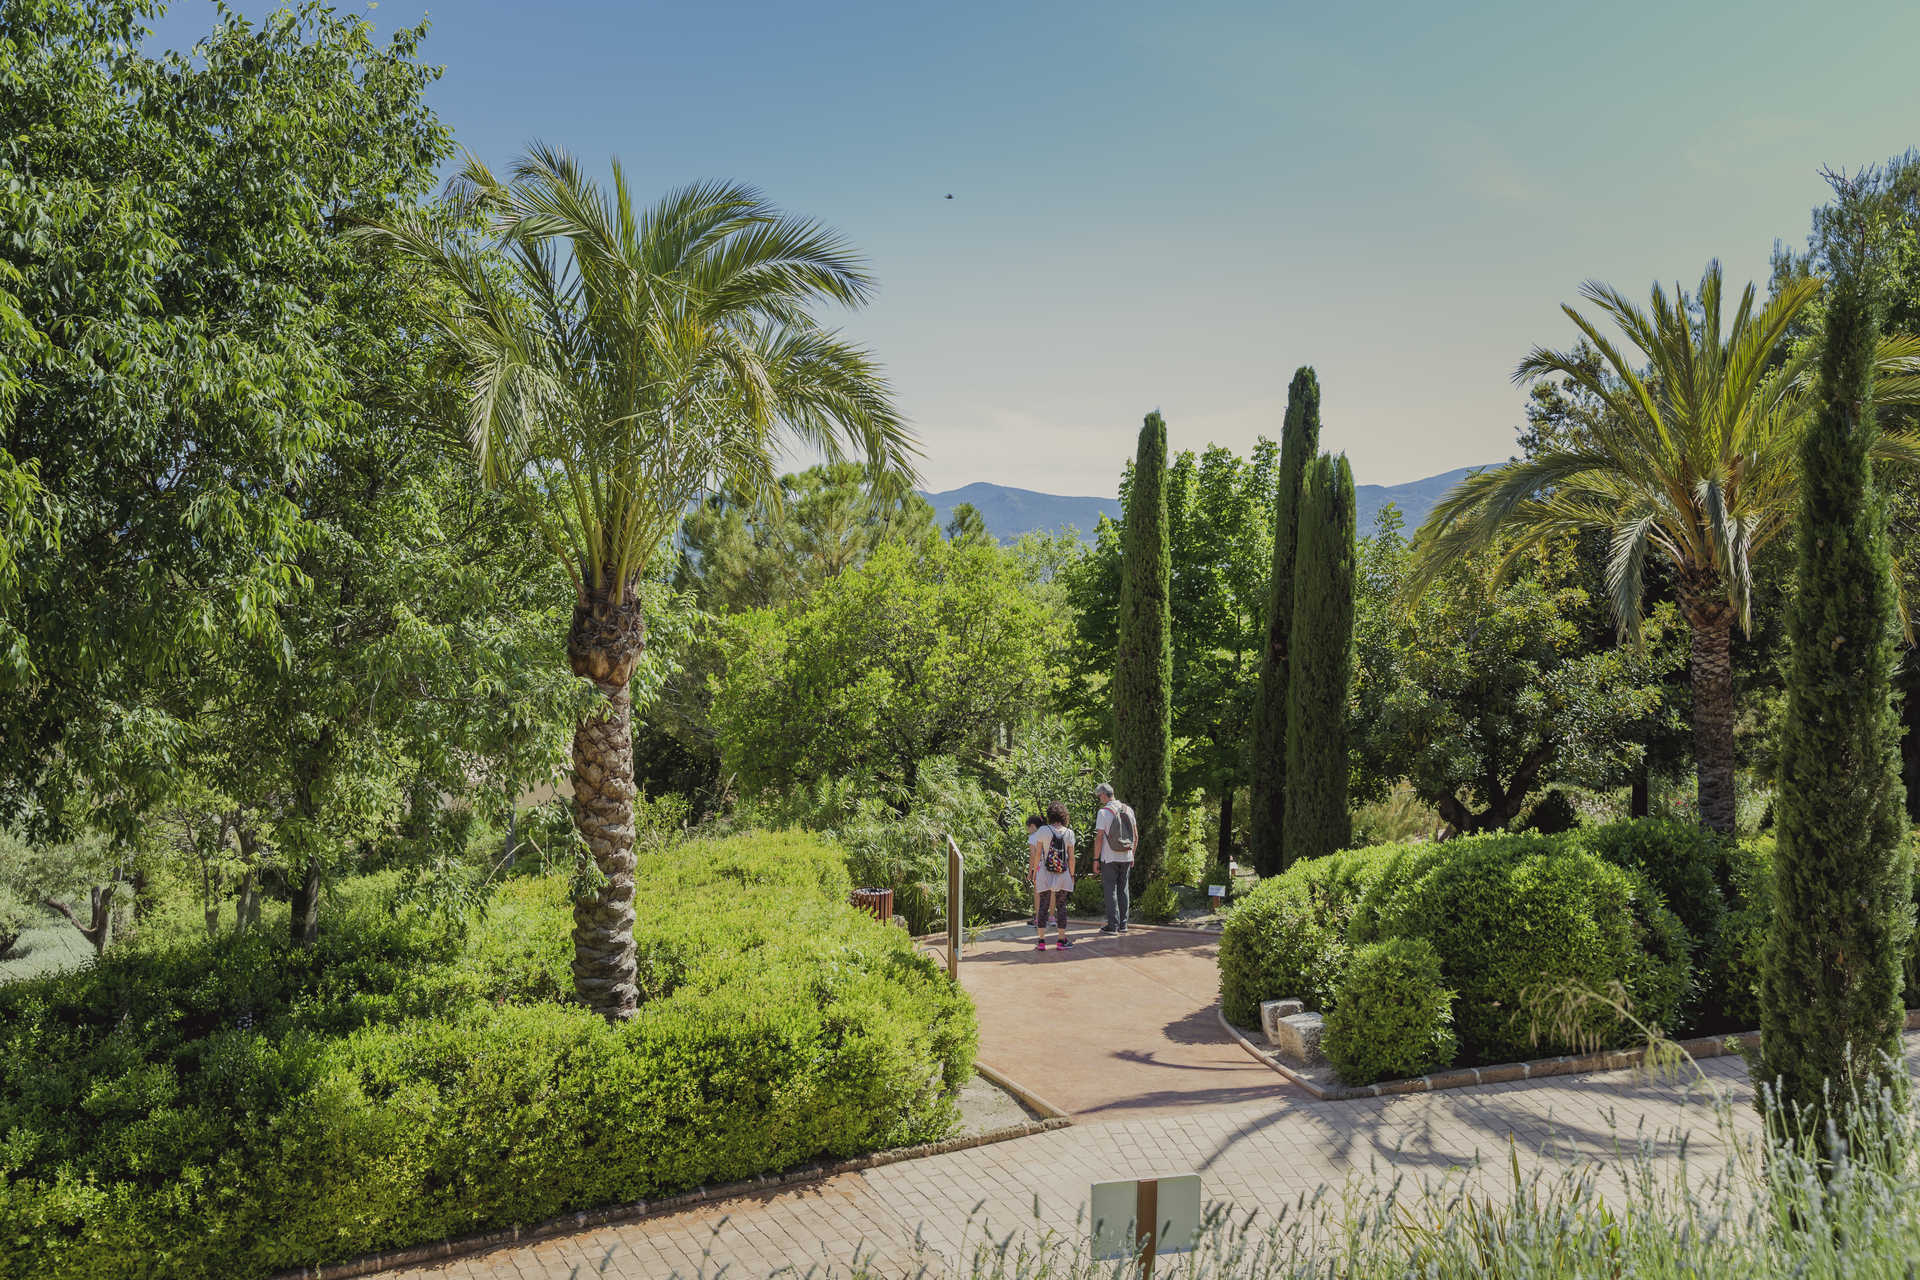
(1159, 904)
(1686, 863)
(1287, 938)
(1392, 1016)
(1523, 925)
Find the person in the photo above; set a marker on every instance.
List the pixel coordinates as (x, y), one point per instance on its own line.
(1050, 856)
(1115, 834)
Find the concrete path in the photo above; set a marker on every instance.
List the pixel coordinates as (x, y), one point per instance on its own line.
(1114, 1027)
(1156, 1093)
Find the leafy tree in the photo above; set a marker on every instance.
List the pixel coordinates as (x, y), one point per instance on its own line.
(1267, 748)
(1143, 672)
(173, 277)
(618, 363)
(1831, 1010)
(1485, 689)
(920, 652)
(1320, 663)
(968, 525)
(1695, 461)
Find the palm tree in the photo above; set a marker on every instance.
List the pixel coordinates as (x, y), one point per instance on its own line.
(616, 365)
(1695, 460)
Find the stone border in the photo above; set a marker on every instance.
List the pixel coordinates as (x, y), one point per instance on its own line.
(1031, 1100)
(640, 1210)
(1501, 1073)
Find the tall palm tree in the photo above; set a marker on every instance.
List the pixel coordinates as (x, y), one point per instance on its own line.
(1695, 460)
(616, 364)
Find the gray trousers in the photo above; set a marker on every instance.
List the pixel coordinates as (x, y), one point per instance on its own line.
(1113, 885)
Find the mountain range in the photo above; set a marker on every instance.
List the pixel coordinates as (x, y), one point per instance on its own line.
(1011, 512)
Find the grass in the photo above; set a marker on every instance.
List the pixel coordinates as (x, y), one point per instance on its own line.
(49, 948)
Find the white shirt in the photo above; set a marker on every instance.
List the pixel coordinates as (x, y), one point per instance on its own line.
(1105, 820)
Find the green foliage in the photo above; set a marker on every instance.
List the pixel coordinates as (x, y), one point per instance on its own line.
(1486, 686)
(1143, 663)
(1159, 904)
(255, 1106)
(1267, 743)
(920, 652)
(1830, 1008)
(1392, 1017)
(1288, 938)
(1692, 870)
(1320, 664)
(17, 915)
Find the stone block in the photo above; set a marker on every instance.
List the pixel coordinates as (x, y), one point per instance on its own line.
(1296, 1037)
(1272, 1011)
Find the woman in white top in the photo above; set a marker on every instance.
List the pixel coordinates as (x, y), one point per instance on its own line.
(1050, 854)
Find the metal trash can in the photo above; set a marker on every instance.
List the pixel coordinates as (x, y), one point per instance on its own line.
(876, 902)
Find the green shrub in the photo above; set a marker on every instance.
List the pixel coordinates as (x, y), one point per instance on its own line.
(1688, 866)
(240, 1106)
(1088, 899)
(1159, 904)
(1516, 918)
(1391, 1015)
(1743, 936)
(1288, 937)
(17, 915)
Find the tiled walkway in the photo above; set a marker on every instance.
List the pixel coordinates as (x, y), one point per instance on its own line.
(1256, 1142)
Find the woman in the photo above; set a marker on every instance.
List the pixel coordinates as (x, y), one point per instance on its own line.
(1050, 862)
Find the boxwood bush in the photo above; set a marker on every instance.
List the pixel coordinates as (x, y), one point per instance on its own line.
(1511, 918)
(1392, 1015)
(232, 1108)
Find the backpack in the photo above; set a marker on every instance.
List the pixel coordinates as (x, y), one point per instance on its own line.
(1056, 861)
(1121, 833)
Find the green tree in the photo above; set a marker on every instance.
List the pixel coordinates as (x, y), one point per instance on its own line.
(174, 280)
(1143, 670)
(1831, 1011)
(1267, 745)
(1695, 461)
(923, 651)
(618, 362)
(1485, 689)
(1320, 664)
(968, 525)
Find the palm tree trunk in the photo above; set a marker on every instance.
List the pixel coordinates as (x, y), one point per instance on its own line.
(1711, 625)
(604, 643)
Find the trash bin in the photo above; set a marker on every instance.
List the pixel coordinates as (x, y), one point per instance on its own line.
(876, 902)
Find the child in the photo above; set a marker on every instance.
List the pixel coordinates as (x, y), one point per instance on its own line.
(1050, 854)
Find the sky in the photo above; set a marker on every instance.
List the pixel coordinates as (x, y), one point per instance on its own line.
(1174, 206)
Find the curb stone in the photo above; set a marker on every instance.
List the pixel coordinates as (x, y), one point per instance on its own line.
(640, 1210)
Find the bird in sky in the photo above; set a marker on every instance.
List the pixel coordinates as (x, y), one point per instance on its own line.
(949, 195)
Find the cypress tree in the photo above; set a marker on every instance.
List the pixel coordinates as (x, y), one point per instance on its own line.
(1831, 976)
(1143, 674)
(1267, 744)
(1319, 664)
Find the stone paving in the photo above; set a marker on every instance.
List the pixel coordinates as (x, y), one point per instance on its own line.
(1257, 1142)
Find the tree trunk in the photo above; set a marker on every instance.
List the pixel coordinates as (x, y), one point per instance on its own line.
(1640, 796)
(1710, 622)
(1226, 826)
(304, 918)
(98, 931)
(604, 643)
(1907, 685)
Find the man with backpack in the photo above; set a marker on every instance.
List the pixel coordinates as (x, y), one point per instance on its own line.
(1115, 833)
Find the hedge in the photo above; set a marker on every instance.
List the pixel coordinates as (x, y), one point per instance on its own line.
(1512, 918)
(231, 1109)
(1392, 1015)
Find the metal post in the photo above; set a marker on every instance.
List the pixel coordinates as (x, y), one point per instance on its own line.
(956, 876)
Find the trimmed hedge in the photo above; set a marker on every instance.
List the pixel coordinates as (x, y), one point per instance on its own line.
(1392, 1015)
(230, 1109)
(1511, 918)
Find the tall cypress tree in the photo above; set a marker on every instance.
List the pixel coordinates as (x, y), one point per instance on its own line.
(1143, 668)
(1320, 664)
(1831, 978)
(1267, 740)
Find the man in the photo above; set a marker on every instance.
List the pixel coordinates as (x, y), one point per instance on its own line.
(1115, 833)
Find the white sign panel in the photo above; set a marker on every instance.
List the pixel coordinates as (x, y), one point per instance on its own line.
(1161, 1212)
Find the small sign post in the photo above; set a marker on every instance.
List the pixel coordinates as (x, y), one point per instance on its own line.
(1146, 1218)
(956, 897)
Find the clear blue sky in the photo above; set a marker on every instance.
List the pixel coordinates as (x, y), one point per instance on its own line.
(1173, 206)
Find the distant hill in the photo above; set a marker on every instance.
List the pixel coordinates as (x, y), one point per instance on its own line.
(1011, 512)
(1414, 498)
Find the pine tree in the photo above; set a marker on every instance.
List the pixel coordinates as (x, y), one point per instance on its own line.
(1143, 674)
(1831, 977)
(1320, 664)
(1267, 746)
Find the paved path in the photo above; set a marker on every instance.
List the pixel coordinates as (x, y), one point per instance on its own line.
(1114, 1027)
(1179, 1103)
